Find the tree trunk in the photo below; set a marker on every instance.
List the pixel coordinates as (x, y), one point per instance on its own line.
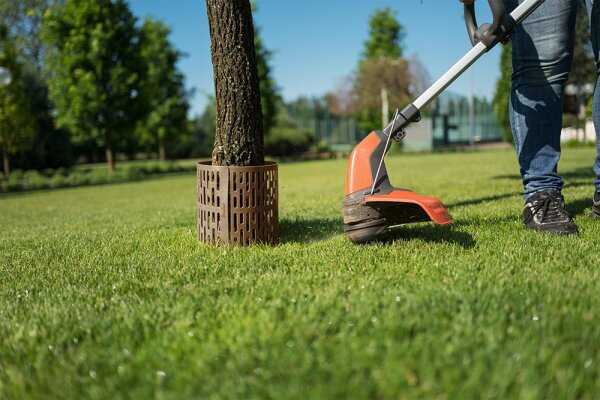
(239, 133)
(161, 151)
(110, 161)
(6, 163)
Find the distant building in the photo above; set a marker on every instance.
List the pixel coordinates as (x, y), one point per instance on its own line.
(448, 123)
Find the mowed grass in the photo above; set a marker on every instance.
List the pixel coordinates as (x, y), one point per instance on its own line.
(105, 293)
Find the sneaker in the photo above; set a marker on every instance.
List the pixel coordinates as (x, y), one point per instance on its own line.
(596, 207)
(545, 211)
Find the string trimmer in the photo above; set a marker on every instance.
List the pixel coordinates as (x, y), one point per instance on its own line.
(372, 204)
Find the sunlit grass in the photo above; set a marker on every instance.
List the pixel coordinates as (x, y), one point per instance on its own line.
(105, 293)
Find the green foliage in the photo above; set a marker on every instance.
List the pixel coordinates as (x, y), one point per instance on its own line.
(203, 127)
(34, 180)
(287, 141)
(95, 69)
(584, 67)
(502, 94)
(381, 67)
(107, 294)
(385, 36)
(16, 127)
(57, 178)
(269, 93)
(50, 146)
(162, 89)
(569, 120)
(24, 20)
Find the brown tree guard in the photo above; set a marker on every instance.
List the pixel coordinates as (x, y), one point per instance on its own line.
(239, 128)
(237, 205)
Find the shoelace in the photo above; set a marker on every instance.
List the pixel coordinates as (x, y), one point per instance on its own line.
(551, 207)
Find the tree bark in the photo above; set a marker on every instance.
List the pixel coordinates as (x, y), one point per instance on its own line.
(110, 161)
(161, 151)
(6, 163)
(239, 129)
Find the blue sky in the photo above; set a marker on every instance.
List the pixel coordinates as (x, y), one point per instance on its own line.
(317, 43)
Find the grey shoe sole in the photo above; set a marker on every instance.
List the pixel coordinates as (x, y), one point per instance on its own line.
(563, 231)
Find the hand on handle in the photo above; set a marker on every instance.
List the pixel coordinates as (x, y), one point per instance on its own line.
(488, 33)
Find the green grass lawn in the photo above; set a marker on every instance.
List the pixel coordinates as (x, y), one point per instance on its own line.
(105, 293)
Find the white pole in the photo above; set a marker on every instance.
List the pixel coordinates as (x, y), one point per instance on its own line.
(471, 110)
(385, 108)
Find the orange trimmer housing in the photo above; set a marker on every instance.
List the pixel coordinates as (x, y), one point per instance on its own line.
(370, 197)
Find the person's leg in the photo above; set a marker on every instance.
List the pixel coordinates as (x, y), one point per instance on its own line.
(542, 57)
(593, 11)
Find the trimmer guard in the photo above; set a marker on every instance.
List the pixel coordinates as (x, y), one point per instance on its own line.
(405, 206)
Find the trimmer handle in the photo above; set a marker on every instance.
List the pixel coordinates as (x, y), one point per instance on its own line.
(489, 34)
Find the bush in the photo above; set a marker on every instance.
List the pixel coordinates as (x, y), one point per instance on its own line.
(99, 175)
(32, 179)
(17, 174)
(61, 171)
(152, 167)
(321, 147)
(58, 180)
(48, 172)
(132, 172)
(167, 166)
(79, 178)
(283, 142)
(13, 184)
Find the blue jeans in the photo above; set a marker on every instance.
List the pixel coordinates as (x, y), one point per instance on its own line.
(542, 56)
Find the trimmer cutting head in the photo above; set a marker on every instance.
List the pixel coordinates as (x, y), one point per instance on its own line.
(368, 209)
(372, 204)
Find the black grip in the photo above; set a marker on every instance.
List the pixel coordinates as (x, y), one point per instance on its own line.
(471, 22)
(488, 33)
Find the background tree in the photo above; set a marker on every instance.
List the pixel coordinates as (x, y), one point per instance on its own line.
(24, 19)
(94, 70)
(269, 93)
(162, 89)
(382, 76)
(583, 71)
(239, 129)
(51, 147)
(378, 83)
(502, 93)
(386, 35)
(16, 128)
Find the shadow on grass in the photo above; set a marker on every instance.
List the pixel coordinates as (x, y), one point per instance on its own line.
(430, 233)
(309, 230)
(579, 173)
(580, 207)
(480, 200)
